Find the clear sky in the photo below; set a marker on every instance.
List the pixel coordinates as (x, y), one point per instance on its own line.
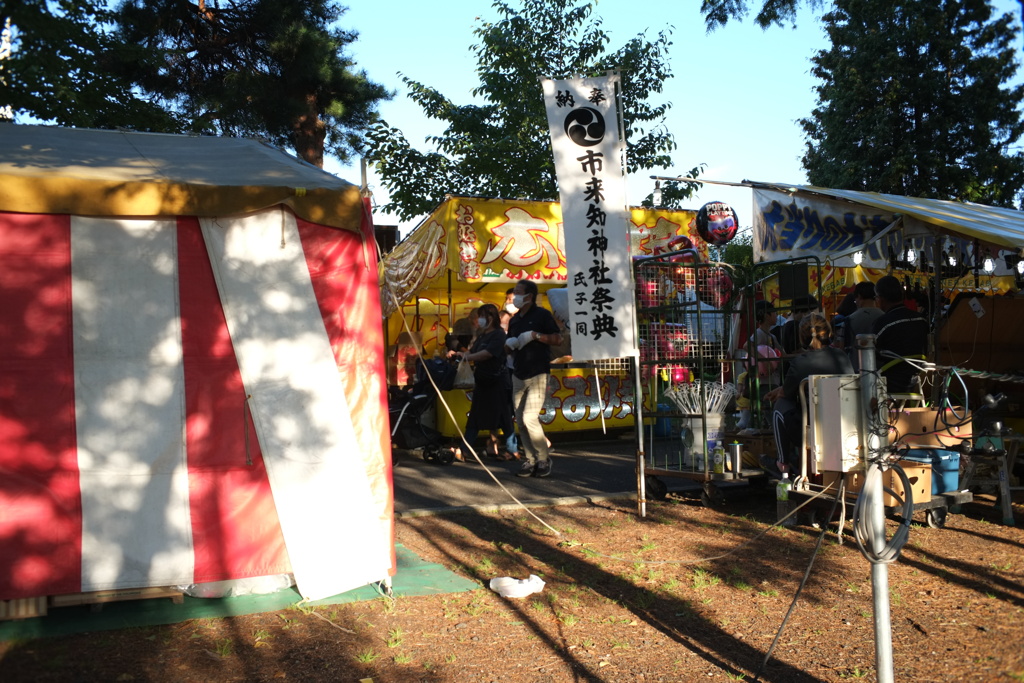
(737, 94)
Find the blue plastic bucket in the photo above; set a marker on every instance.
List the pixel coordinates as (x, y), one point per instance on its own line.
(945, 467)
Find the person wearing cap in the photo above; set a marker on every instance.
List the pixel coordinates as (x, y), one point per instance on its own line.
(900, 331)
(861, 320)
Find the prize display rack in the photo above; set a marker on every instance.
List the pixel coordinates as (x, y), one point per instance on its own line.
(687, 312)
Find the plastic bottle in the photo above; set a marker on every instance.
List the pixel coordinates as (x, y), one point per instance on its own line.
(719, 458)
(782, 500)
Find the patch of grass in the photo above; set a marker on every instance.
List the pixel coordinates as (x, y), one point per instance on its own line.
(485, 566)
(260, 637)
(741, 585)
(367, 656)
(1007, 566)
(644, 600)
(619, 644)
(476, 607)
(768, 593)
(568, 619)
(303, 607)
(395, 637)
(401, 659)
(670, 585)
(735, 677)
(450, 658)
(896, 597)
(225, 647)
(387, 604)
(588, 643)
(857, 672)
(702, 579)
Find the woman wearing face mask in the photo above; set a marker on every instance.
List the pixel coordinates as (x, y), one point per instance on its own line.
(491, 408)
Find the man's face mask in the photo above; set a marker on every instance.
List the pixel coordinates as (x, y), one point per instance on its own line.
(519, 300)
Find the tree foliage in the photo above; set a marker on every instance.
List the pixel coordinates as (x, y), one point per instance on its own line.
(260, 68)
(914, 101)
(717, 13)
(500, 147)
(61, 68)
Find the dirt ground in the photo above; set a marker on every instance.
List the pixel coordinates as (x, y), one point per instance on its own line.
(688, 593)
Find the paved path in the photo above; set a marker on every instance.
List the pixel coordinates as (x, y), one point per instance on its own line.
(594, 468)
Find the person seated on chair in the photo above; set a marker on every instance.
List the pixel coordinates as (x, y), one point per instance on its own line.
(900, 331)
(821, 358)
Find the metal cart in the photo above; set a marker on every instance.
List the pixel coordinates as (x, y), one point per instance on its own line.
(687, 312)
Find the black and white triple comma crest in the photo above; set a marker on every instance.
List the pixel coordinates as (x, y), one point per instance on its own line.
(585, 126)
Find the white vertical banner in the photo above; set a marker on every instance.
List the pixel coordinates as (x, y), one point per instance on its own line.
(589, 157)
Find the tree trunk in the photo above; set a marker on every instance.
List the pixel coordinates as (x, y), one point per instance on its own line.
(309, 134)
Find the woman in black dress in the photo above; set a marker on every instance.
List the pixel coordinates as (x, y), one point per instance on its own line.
(491, 408)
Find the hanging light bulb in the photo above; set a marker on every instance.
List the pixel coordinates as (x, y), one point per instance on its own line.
(988, 265)
(656, 198)
(1020, 267)
(858, 258)
(909, 255)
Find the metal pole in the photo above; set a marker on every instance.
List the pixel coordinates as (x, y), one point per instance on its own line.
(873, 504)
(638, 404)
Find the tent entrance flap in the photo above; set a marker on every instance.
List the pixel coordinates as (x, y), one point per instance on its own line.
(299, 409)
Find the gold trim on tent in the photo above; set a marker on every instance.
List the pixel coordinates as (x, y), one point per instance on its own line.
(86, 172)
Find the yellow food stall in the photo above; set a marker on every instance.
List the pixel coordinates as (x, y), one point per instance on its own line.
(471, 251)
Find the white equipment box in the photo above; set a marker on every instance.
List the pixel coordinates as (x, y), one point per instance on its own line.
(835, 420)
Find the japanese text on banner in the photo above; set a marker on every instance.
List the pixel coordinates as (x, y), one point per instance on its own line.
(588, 153)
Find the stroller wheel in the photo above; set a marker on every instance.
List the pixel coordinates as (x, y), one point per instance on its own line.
(431, 453)
(445, 456)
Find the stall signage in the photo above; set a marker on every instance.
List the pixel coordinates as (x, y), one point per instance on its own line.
(787, 226)
(589, 154)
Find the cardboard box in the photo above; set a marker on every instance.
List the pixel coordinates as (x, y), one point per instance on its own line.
(919, 474)
(927, 428)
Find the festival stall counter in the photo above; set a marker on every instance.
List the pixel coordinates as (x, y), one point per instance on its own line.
(962, 262)
(470, 251)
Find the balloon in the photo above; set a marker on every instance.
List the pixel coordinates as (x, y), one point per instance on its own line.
(717, 223)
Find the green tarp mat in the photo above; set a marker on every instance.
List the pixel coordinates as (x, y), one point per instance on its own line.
(414, 577)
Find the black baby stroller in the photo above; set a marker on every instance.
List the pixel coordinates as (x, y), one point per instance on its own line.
(406, 408)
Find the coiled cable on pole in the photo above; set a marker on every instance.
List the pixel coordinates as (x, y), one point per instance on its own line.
(861, 520)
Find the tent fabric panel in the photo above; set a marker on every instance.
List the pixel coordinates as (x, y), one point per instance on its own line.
(49, 169)
(41, 508)
(235, 529)
(299, 405)
(343, 270)
(129, 404)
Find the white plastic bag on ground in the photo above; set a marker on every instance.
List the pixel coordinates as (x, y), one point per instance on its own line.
(507, 587)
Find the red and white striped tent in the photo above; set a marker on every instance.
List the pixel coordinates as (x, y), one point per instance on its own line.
(191, 367)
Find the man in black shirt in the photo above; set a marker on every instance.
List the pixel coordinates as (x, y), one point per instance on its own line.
(531, 333)
(900, 331)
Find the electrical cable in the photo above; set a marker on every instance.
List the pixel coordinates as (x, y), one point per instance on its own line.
(841, 495)
(861, 521)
